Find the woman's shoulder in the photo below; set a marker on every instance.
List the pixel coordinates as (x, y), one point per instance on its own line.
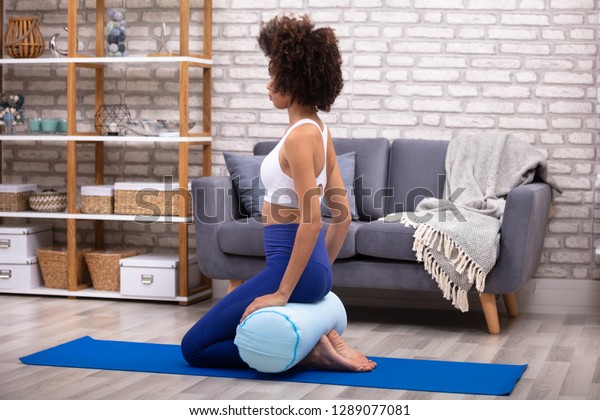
(298, 136)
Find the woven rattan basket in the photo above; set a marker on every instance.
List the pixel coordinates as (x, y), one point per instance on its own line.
(147, 200)
(96, 204)
(23, 38)
(48, 201)
(53, 263)
(104, 267)
(15, 197)
(97, 199)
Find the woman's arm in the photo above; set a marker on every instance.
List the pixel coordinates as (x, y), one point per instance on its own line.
(299, 156)
(298, 153)
(336, 196)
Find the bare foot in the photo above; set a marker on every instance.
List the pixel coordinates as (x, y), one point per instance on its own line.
(345, 350)
(324, 356)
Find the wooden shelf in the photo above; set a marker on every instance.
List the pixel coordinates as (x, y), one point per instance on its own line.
(107, 60)
(98, 63)
(107, 139)
(87, 216)
(93, 293)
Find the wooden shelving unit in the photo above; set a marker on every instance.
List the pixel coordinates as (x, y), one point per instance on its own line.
(185, 59)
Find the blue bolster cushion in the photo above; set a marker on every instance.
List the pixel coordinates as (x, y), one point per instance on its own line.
(277, 338)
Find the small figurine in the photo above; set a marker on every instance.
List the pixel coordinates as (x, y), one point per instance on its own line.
(163, 39)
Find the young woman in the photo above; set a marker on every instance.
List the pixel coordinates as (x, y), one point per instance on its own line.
(305, 70)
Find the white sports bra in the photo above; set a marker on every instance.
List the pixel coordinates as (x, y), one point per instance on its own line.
(278, 185)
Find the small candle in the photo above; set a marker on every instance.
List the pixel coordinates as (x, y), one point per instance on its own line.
(113, 129)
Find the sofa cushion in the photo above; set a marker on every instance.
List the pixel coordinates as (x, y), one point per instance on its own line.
(246, 237)
(371, 171)
(348, 249)
(379, 239)
(244, 171)
(346, 163)
(417, 170)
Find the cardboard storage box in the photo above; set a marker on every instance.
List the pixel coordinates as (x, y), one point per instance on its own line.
(155, 275)
(20, 273)
(21, 241)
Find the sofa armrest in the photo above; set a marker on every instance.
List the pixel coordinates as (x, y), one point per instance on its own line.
(522, 235)
(215, 202)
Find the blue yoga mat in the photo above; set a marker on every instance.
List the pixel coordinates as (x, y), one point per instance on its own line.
(408, 374)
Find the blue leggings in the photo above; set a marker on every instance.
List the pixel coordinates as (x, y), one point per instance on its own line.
(209, 343)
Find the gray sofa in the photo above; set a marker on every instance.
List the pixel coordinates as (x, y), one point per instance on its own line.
(389, 177)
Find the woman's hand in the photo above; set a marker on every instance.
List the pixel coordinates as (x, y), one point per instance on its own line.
(266, 301)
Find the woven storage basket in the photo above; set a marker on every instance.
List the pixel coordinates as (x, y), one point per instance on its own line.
(48, 201)
(15, 197)
(97, 199)
(150, 199)
(105, 269)
(53, 263)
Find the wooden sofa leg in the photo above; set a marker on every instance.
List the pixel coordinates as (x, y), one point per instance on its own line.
(233, 284)
(490, 311)
(510, 301)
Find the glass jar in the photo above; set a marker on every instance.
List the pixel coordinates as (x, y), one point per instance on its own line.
(115, 32)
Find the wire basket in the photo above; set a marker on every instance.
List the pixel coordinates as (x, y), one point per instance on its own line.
(104, 267)
(111, 120)
(53, 263)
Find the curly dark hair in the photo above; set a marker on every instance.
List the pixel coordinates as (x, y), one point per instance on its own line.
(305, 62)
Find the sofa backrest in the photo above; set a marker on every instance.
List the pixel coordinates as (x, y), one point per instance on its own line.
(417, 170)
(371, 171)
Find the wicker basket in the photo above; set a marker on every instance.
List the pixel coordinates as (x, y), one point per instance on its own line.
(104, 267)
(97, 199)
(48, 201)
(53, 263)
(15, 197)
(23, 38)
(150, 200)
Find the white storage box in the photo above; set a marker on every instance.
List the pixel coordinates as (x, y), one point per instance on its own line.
(20, 274)
(22, 241)
(155, 275)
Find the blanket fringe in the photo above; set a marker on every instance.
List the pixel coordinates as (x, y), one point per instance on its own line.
(428, 238)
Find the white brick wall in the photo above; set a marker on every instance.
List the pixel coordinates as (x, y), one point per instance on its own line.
(428, 69)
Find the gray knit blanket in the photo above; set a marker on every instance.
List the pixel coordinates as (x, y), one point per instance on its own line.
(457, 237)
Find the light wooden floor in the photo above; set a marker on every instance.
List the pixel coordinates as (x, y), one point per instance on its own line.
(563, 351)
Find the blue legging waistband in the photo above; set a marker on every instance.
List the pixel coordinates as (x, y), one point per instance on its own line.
(279, 242)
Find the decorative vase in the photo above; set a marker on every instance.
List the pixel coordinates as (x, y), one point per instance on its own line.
(114, 32)
(23, 38)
